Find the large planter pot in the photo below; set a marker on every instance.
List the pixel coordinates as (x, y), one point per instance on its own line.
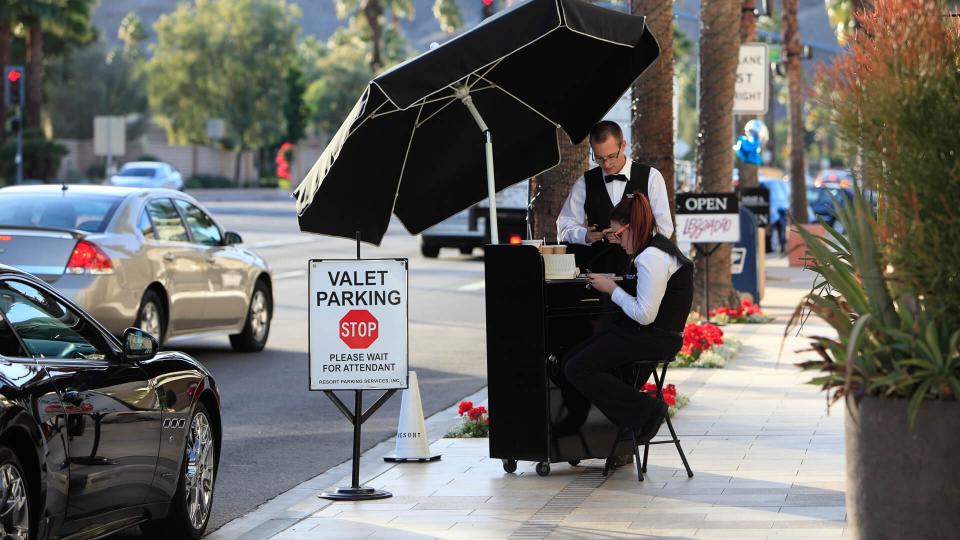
(903, 482)
(796, 248)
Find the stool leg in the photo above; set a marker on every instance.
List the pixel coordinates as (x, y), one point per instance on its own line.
(646, 453)
(636, 455)
(676, 441)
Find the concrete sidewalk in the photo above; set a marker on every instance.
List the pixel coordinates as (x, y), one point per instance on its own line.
(768, 463)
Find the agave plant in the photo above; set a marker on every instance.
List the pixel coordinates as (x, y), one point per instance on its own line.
(889, 343)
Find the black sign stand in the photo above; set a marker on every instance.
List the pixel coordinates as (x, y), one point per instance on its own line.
(704, 251)
(356, 492)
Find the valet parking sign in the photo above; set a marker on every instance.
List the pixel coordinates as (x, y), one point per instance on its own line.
(358, 324)
(704, 218)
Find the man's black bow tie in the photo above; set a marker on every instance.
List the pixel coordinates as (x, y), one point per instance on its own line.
(611, 177)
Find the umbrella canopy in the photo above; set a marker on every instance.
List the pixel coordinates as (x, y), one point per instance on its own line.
(410, 147)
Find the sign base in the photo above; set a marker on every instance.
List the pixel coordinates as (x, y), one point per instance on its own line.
(394, 459)
(355, 494)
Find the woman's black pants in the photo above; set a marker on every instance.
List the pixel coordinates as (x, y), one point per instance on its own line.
(592, 368)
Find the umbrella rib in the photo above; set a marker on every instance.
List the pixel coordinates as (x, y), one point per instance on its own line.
(406, 154)
(434, 113)
(522, 102)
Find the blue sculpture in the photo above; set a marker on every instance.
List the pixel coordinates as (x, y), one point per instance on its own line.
(750, 145)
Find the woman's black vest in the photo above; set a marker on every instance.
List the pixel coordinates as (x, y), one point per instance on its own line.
(678, 297)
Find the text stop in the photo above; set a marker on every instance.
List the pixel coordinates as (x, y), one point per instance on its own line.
(359, 329)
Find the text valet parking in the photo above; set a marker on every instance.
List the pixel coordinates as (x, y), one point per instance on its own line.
(358, 324)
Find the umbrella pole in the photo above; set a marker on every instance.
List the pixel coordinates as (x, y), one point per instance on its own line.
(464, 94)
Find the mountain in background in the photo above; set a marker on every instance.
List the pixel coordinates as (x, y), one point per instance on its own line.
(319, 19)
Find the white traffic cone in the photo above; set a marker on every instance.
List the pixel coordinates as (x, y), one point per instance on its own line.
(412, 441)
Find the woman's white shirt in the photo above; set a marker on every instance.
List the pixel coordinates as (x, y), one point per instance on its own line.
(654, 269)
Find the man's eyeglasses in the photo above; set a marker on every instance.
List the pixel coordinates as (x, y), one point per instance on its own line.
(600, 160)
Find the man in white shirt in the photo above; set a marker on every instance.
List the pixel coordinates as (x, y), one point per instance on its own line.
(585, 216)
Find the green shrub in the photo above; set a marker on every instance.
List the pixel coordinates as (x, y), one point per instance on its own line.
(209, 181)
(41, 157)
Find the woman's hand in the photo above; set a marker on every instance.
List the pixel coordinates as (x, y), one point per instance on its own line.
(601, 283)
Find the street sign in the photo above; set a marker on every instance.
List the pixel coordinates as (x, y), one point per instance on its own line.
(753, 80)
(757, 200)
(358, 324)
(109, 136)
(708, 217)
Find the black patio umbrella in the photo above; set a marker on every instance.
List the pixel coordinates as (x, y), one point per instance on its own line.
(411, 144)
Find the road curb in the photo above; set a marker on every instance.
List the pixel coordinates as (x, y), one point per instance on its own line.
(302, 501)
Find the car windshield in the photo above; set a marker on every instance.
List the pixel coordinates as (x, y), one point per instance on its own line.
(147, 172)
(89, 213)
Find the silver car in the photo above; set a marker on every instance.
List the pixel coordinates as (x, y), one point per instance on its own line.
(149, 258)
(154, 174)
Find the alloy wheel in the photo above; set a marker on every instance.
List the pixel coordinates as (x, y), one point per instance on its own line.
(150, 319)
(14, 511)
(259, 315)
(199, 476)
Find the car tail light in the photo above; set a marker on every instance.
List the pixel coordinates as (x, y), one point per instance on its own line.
(87, 258)
(516, 239)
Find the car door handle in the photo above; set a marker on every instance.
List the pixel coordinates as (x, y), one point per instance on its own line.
(72, 397)
(169, 257)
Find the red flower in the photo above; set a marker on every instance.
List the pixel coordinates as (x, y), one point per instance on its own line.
(465, 406)
(476, 412)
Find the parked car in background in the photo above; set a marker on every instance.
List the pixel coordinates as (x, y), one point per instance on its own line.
(824, 198)
(840, 177)
(150, 258)
(148, 174)
(99, 434)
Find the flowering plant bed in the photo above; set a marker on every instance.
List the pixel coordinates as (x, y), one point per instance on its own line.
(747, 312)
(474, 422)
(675, 400)
(705, 346)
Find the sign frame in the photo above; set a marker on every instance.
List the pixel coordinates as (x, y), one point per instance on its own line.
(310, 362)
(758, 50)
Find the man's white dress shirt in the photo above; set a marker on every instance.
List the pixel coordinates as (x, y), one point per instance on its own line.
(572, 222)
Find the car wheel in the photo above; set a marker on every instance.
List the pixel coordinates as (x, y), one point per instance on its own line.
(190, 506)
(15, 502)
(151, 317)
(431, 252)
(254, 335)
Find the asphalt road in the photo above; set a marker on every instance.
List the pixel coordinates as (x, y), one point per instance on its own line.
(276, 432)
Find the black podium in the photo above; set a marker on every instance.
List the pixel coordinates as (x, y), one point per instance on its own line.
(535, 415)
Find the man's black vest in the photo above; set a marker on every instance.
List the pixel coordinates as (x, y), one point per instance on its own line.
(677, 298)
(601, 256)
(597, 203)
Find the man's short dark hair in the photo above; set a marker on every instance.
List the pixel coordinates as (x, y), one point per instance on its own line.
(606, 128)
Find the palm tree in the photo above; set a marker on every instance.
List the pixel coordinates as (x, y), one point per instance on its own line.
(748, 34)
(652, 99)
(373, 12)
(719, 54)
(555, 184)
(791, 41)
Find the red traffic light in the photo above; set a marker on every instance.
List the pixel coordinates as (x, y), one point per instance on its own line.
(14, 75)
(487, 2)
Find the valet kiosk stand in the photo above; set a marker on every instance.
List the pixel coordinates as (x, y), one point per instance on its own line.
(704, 219)
(358, 341)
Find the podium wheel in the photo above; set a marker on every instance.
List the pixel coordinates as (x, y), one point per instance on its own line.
(510, 465)
(543, 468)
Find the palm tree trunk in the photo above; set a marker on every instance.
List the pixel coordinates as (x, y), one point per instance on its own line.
(372, 12)
(652, 121)
(5, 42)
(555, 184)
(719, 54)
(34, 75)
(791, 40)
(749, 176)
(236, 166)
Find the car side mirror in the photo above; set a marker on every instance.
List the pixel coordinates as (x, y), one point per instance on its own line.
(139, 345)
(231, 238)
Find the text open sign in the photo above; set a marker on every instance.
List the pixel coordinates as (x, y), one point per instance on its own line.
(358, 324)
(708, 217)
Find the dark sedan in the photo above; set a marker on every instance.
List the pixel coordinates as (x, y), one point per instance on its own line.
(98, 434)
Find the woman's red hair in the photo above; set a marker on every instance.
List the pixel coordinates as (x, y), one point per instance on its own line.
(635, 210)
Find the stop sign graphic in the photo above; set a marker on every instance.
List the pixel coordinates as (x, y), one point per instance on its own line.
(359, 329)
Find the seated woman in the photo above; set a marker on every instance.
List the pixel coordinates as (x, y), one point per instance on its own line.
(651, 327)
